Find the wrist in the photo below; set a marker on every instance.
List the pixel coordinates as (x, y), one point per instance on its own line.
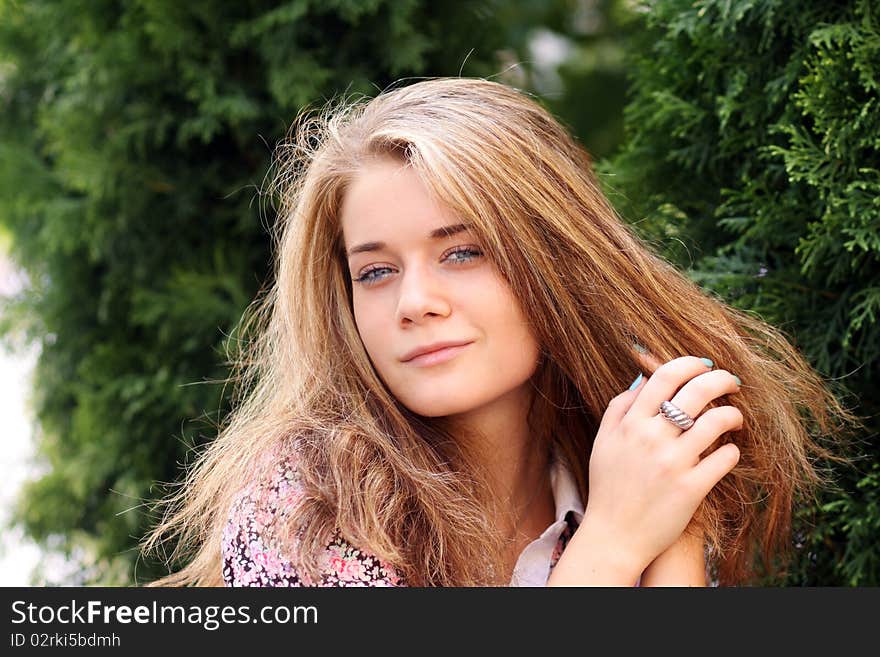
(593, 557)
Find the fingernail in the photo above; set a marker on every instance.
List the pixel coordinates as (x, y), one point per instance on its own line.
(708, 362)
(635, 384)
(640, 348)
(738, 382)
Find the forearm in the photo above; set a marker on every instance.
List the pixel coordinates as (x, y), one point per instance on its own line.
(682, 564)
(590, 559)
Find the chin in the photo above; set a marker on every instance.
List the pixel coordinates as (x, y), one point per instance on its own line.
(435, 405)
(435, 410)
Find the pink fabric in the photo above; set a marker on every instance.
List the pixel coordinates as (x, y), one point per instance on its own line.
(254, 556)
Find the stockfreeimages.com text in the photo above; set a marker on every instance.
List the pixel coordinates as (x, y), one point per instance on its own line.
(210, 617)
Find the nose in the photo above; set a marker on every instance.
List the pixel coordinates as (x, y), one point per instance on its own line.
(422, 295)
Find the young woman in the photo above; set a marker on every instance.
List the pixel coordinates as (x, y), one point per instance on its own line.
(435, 392)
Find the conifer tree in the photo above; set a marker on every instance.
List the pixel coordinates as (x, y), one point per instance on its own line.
(134, 140)
(752, 160)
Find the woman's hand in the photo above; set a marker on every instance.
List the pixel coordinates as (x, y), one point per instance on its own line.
(646, 475)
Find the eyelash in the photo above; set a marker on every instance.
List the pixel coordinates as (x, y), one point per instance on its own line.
(366, 279)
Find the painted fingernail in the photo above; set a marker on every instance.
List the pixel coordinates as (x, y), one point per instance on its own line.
(635, 384)
(640, 348)
(738, 382)
(708, 362)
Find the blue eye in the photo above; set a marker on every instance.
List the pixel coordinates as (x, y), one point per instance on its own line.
(367, 277)
(468, 251)
(462, 255)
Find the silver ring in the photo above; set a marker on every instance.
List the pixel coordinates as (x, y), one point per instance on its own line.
(675, 415)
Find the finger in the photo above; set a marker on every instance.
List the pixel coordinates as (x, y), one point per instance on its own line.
(714, 467)
(665, 382)
(648, 361)
(709, 426)
(619, 405)
(695, 395)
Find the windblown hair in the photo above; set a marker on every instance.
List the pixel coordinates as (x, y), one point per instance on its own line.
(402, 486)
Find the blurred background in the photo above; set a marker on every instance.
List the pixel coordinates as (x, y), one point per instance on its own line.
(739, 137)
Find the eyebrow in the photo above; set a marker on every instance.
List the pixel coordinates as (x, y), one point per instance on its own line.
(436, 234)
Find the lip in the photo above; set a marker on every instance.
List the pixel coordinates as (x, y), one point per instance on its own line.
(435, 353)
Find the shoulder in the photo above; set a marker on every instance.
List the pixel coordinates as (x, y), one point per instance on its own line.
(254, 553)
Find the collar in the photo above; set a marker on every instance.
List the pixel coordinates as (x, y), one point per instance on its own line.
(535, 561)
(565, 491)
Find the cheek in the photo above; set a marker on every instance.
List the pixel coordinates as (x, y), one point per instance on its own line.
(506, 315)
(507, 327)
(367, 321)
(523, 344)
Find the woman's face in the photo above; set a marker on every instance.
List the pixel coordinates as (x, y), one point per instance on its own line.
(416, 285)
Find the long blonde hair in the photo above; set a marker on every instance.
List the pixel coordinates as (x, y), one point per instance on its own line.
(403, 487)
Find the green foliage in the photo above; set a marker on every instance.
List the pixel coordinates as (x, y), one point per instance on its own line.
(751, 159)
(594, 74)
(133, 138)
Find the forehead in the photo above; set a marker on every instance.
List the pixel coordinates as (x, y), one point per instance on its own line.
(386, 200)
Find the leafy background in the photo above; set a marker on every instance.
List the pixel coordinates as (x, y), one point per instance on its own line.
(740, 137)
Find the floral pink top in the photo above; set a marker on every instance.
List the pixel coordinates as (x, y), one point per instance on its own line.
(253, 555)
